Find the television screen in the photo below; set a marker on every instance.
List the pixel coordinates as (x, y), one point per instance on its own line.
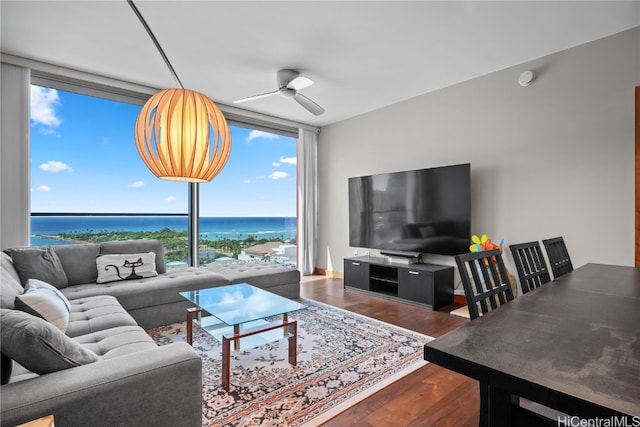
(425, 210)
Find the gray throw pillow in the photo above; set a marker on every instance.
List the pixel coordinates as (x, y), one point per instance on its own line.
(9, 289)
(43, 300)
(6, 263)
(38, 345)
(39, 263)
(79, 262)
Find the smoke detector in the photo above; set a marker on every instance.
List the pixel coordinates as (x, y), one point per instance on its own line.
(526, 78)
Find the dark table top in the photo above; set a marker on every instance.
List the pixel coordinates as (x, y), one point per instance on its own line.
(573, 344)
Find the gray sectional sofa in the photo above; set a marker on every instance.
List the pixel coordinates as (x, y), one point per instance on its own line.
(101, 368)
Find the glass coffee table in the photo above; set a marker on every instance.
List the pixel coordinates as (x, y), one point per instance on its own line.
(238, 313)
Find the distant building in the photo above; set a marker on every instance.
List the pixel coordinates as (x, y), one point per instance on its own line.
(276, 252)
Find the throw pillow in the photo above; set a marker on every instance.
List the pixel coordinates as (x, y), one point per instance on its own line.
(38, 345)
(9, 289)
(79, 262)
(39, 263)
(112, 268)
(137, 247)
(45, 301)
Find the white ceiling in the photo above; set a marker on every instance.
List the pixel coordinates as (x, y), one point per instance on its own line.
(362, 55)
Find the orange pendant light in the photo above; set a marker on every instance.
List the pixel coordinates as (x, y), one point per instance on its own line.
(182, 135)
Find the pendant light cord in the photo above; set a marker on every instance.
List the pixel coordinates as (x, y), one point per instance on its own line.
(155, 41)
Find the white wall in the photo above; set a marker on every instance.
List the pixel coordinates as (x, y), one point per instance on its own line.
(555, 158)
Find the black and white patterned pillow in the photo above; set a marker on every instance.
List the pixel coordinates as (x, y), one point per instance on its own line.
(112, 268)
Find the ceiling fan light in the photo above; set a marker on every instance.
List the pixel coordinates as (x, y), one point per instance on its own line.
(181, 135)
(287, 92)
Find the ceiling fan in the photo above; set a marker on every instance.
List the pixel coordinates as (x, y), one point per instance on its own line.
(289, 83)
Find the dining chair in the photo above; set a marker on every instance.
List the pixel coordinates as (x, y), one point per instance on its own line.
(485, 281)
(558, 255)
(530, 264)
(486, 287)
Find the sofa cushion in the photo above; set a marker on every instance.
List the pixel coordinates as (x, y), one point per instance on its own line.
(38, 263)
(261, 274)
(116, 342)
(93, 314)
(38, 345)
(137, 246)
(152, 291)
(10, 286)
(43, 300)
(79, 262)
(112, 268)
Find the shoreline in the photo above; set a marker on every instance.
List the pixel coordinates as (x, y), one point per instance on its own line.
(203, 241)
(175, 243)
(58, 238)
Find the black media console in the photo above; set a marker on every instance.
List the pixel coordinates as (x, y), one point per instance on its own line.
(427, 284)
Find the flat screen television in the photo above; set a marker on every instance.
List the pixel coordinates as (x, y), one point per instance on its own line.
(417, 211)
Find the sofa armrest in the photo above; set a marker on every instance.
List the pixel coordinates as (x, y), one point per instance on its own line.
(161, 386)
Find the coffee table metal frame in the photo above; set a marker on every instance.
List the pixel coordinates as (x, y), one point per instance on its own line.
(290, 328)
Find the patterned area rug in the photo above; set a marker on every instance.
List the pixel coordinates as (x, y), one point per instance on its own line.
(342, 359)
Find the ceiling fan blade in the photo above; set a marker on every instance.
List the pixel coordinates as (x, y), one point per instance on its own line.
(299, 83)
(285, 77)
(308, 104)
(254, 97)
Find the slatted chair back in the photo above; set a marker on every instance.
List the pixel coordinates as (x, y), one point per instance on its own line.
(558, 255)
(530, 264)
(485, 281)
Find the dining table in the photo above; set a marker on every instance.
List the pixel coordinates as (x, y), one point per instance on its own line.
(572, 345)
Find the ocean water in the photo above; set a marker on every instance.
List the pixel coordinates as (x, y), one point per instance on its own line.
(211, 228)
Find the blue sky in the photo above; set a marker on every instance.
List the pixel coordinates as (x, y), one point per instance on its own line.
(84, 159)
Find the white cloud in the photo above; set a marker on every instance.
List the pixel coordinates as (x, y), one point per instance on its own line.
(247, 181)
(55, 166)
(44, 188)
(44, 102)
(170, 199)
(48, 131)
(289, 160)
(255, 134)
(137, 184)
(278, 175)
(275, 164)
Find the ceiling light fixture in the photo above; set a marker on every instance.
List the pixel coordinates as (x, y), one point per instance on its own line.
(181, 135)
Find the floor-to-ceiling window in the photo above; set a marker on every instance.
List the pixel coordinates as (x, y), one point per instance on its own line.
(88, 184)
(248, 212)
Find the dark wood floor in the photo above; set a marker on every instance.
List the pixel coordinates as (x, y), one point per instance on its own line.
(430, 396)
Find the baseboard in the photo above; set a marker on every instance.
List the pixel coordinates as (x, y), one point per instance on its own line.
(328, 273)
